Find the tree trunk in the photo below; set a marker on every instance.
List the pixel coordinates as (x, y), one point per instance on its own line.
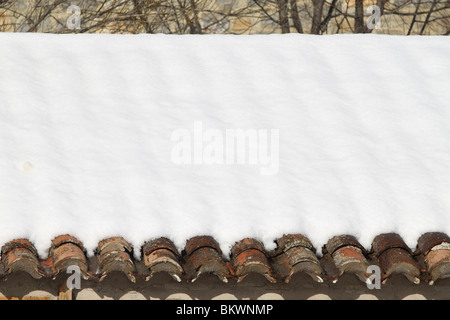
(381, 4)
(359, 16)
(295, 16)
(283, 16)
(194, 25)
(317, 16)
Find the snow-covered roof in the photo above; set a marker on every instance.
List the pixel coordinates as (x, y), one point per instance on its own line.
(149, 136)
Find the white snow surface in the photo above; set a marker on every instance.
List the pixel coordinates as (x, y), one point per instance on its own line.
(86, 124)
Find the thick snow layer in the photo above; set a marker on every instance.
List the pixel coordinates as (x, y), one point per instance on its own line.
(357, 126)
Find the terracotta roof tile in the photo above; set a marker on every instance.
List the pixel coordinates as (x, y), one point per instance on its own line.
(249, 256)
(21, 255)
(114, 255)
(435, 247)
(66, 238)
(330, 270)
(387, 241)
(293, 254)
(395, 256)
(342, 241)
(66, 251)
(203, 255)
(349, 256)
(431, 239)
(161, 255)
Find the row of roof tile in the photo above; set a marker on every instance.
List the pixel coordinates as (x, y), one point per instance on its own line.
(294, 254)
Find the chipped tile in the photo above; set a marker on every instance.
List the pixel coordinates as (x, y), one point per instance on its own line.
(435, 247)
(203, 255)
(294, 254)
(20, 255)
(160, 255)
(114, 255)
(248, 256)
(395, 256)
(349, 256)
